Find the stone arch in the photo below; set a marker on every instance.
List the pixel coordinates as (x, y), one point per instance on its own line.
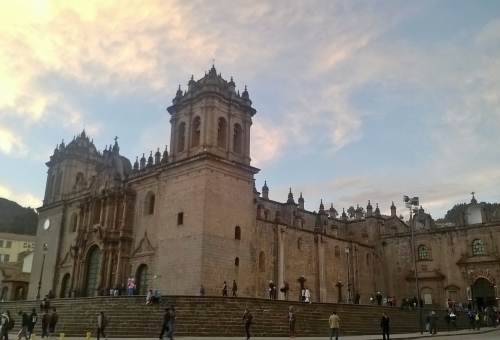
(195, 131)
(474, 214)
(93, 264)
(238, 139)
(262, 261)
(149, 203)
(483, 292)
(65, 283)
(181, 137)
(142, 279)
(73, 222)
(79, 178)
(222, 133)
(237, 233)
(20, 293)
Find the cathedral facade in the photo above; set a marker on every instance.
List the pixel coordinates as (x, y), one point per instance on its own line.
(193, 216)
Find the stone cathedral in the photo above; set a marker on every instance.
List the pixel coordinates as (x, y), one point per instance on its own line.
(193, 216)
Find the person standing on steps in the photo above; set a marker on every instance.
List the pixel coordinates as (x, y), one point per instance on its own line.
(307, 295)
(171, 322)
(166, 320)
(357, 298)
(45, 323)
(247, 317)
(102, 322)
(234, 288)
(33, 320)
(334, 322)
(54, 319)
(202, 290)
(224, 289)
(291, 321)
(384, 324)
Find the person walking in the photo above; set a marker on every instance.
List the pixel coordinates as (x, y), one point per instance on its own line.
(453, 321)
(285, 289)
(334, 322)
(45, 323)
(171, 322)
(447, 319)
(202, 290)
(23, 333)
(291, 321)
(247, 317)
(224, 289)
(271, 290)
(166, 320)
(6, 325)
(54, 319)
(33, 320)
(102, 322)
(234, 288)
(384, 324)
(471, 317)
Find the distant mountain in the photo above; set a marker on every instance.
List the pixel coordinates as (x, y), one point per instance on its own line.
(16, 219)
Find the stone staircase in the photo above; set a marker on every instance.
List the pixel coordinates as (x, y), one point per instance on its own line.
(217, 316)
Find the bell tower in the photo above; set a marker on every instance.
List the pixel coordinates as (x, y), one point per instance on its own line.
(211, 116)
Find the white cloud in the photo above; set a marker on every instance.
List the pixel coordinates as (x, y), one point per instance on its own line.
(23, 199)
(11, 144)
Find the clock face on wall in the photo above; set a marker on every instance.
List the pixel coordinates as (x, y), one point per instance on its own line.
(46, 224)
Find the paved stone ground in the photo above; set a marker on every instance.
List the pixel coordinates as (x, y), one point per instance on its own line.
(485, 332)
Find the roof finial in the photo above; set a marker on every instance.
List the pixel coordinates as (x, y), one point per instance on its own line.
(213, 62)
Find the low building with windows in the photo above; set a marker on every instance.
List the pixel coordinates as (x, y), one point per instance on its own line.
(11, 245)
(193, 216)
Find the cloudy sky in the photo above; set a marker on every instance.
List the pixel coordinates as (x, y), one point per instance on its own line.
(356, 100)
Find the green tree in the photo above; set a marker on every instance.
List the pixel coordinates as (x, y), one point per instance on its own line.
(351, 212)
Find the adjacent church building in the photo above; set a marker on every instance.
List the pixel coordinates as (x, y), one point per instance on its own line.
(193, 216)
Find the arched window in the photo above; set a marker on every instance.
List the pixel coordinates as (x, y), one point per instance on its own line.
(57, 190)
(195, 132)
(299, 243)
(181, 137)
(238, 139)
(142, 280)
(79, 178)
(337, 251)
(97, 212)
(73, 222)
(477, 247)
(422, 253)
(149, 204)
(92, 275)
(222, 133)
(237, 261)
(237, 233)
(65, 287)
(262, 261)
(20, 293)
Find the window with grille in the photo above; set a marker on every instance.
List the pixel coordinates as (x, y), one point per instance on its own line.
(477, 247)
(422, 253)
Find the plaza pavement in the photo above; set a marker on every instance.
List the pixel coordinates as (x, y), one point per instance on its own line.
(350, 337)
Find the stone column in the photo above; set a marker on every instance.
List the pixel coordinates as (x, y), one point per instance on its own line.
(115, 214)
(101, 212)
(106, 214)
(118, 276)
(281, 259)
(321, 269)
(101, 271)
(109, 284)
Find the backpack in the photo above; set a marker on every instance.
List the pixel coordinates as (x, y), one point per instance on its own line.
(11, 323)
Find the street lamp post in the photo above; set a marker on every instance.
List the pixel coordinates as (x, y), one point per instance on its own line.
(349, 300)
(41, 271)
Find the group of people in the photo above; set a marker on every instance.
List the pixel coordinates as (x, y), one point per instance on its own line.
(49, 322)
(333, 321)
(234, 289)
(169, 322)
(153, 297)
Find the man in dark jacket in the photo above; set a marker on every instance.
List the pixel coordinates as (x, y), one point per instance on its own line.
(171, 323)
(45, 323)
(384, 324)
(234, 288)
(33, 320)
(24, 326)
(247, 316)
(166, 320)
(54, 318)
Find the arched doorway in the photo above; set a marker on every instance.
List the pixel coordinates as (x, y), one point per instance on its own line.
(19, 293)
(93, 264)
(484, 293)
(142, 280)
(65, 286)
